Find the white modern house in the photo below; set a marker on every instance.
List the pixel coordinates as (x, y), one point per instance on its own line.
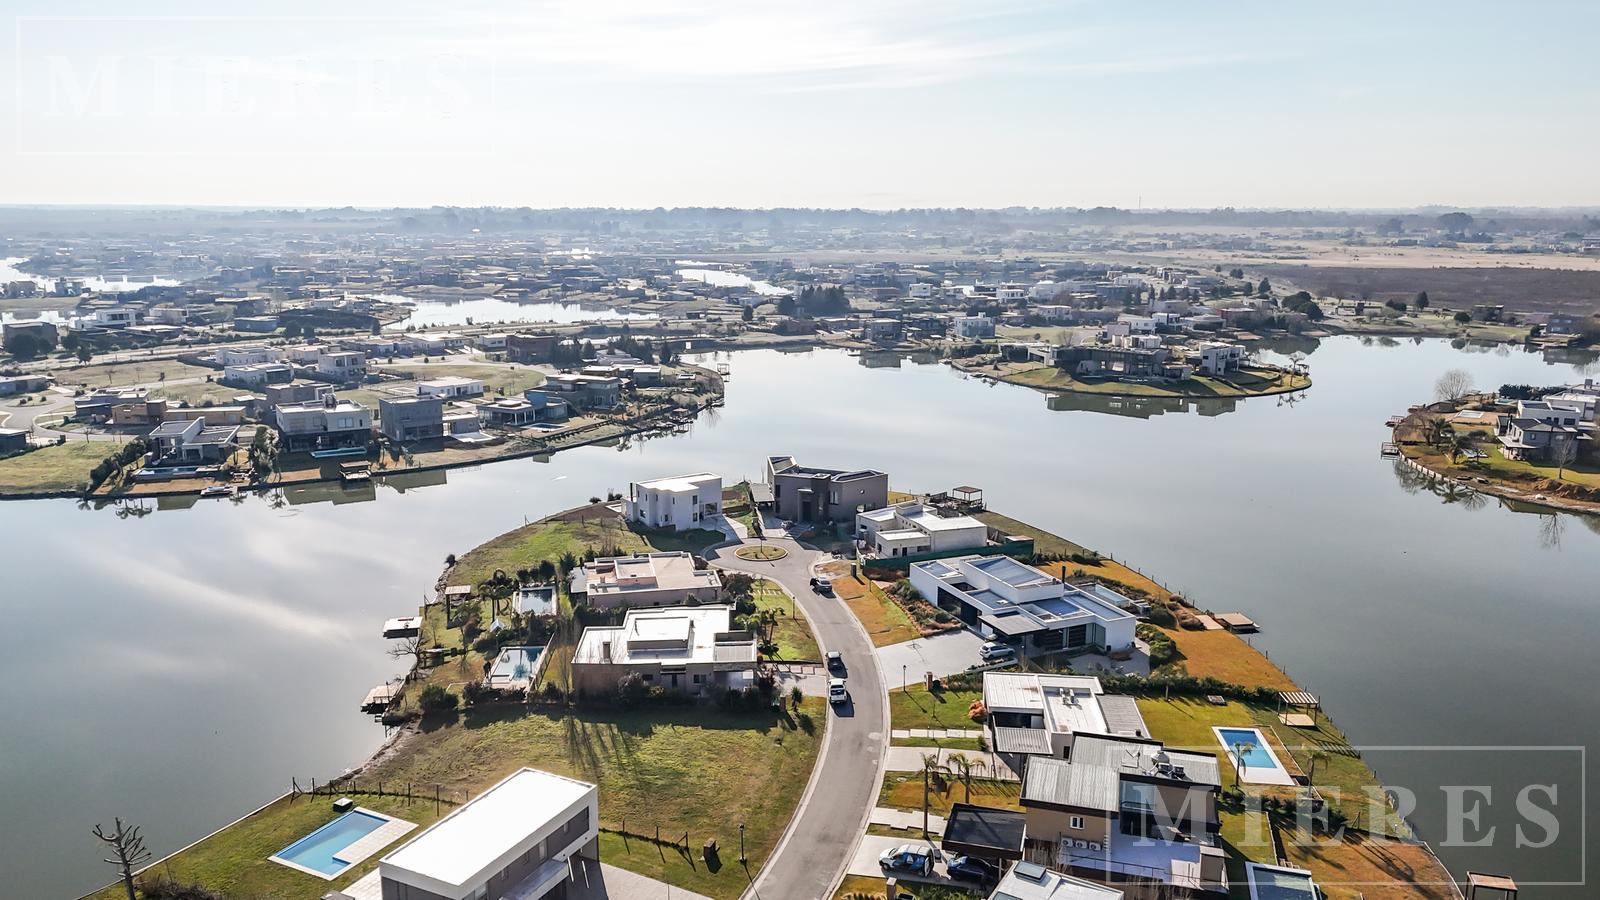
(344, 365)
(683, 502)
(451, 387)
(250, 355)
(1217, 357)
(911, 529)
(1034, 714)
(972, 326)
(1016, 604)
(517, 839)
(684, 648)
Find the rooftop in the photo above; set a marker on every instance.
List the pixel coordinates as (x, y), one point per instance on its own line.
(680, 484)
(1029, 881)
(1075, 704)
(477, 834)
(619, 575)
(678, 635)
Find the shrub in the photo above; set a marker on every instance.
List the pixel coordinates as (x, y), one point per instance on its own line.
(165, 888)
(631, 690)
(552, 693)
(473, 692)
(1161, 615)
(1162, 648)
(435, 699)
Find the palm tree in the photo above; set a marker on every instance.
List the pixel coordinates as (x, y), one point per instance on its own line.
(963, 769)
(930, 768)
(1238, 752)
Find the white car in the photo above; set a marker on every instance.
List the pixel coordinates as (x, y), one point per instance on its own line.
(993, 650)
(836, 691)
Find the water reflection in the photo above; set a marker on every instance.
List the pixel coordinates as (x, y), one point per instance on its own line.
(1140, 407)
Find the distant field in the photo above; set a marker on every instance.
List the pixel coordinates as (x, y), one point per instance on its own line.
(1519, 289)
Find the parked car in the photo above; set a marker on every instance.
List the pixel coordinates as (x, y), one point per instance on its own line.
(994, 650)
(916, 858)
(836, 691)
(835, 660)
(972, 869)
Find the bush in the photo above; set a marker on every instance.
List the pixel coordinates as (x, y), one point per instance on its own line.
(164, 888)
(1163, 649)
(631, 690)
(552, 693)
(1161, 615)
(473, 692)
(435, 699)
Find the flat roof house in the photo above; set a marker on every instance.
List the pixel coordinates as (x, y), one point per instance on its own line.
(515, 840)
(333, 424)
(1016, 604)
(403, 419)
(450, 387)
(807, 494)
(668, 578)
(13, 440)
(1125, 809)
(179, 443)
(1033, 715)
(587, 391)
(682, 502)
(913, 529)
(680, 648)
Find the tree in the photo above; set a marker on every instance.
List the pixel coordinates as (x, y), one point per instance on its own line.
(435, 698)
(786, 306)
(796, 697)
(1239, 751)
(410, 648)
(1456, 222)
(1264, 288)
(25, 345)
(1563, 453)
(749, 314)
(127, 851)
(1453, 385)
(963, 769)
(84, 353)
(1317, 755)
(1463, 317)
(1422, 300)
(930, 770)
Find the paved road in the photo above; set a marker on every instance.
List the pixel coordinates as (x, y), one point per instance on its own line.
(812, 856)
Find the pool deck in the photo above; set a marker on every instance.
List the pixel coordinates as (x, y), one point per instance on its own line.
(1278, 774)
(359, 849)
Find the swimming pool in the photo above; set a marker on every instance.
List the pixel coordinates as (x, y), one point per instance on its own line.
(1258, 764)
(515, 667)
(320, 850)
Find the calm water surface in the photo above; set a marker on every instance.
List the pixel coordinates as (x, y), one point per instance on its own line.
(177, 668)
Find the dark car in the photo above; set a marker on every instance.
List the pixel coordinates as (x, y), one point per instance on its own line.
(972, 869)
(823, 586)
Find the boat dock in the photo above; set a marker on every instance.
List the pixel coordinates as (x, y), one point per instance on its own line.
(1389, 449)
(379, 698)
(1394, 421)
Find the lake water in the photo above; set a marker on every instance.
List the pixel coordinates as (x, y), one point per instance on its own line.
(9, 273)
(720, 278)
(178, 667)
(493, 311)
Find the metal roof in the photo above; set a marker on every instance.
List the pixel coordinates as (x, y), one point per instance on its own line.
(985, 830)
(1060, 783)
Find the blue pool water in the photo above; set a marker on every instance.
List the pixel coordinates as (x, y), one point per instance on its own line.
(318, 851)
(1257, 757)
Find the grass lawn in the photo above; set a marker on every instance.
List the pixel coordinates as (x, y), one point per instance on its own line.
(496, 379)
(694, 769)
(1344, 781)
(235, 862)
(1043, 541)
(1362, 868)
(903, 790)
(885, 621)
(1243, 383)
(199, 392)
(792, 634)
(940, 743)
(1225, 655)
(146, 371)
(59, 467)
(918, 708)
(1497, 465)
(573, 531)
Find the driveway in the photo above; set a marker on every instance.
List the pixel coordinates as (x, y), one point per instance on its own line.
(599, 881)
(942, 654)
(865, 860)
(812, 856)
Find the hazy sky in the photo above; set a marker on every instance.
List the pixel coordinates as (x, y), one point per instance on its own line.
(817, 103)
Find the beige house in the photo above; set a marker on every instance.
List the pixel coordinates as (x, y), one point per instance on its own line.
(687, 649)
(647, 579)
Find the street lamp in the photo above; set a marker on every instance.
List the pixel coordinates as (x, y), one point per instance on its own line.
(902, 678)
(742, 859)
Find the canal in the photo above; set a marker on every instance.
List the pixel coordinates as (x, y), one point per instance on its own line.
(176, 666)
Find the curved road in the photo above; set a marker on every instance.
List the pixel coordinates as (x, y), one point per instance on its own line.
(811, 858)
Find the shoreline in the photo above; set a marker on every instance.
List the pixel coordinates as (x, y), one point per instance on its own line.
(1504, 491)
(1045, 389)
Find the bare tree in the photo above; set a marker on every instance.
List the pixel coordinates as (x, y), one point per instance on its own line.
(1453, 385)
(127, 851)
(1563, 453)
(409, 648)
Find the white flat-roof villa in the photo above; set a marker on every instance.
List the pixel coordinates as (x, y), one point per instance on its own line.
(683, 648)
(1016, 604)
(1039, 715)
(515, 840)
(911, 529)
(683, 502)
(668, 578)
(1031, 881)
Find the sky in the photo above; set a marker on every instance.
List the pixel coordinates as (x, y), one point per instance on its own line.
(832, 103)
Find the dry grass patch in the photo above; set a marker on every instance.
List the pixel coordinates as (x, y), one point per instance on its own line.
(1225, 656)
(886, 623)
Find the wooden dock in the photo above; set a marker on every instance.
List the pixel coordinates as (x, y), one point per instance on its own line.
(379, 698)
(1389, 449)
